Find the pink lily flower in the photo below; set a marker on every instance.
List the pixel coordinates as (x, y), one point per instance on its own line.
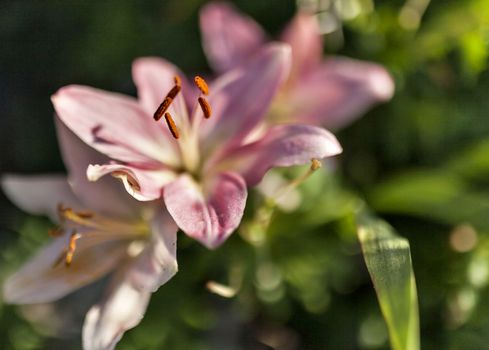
(331, 92)
(200, 162)
(101, 230)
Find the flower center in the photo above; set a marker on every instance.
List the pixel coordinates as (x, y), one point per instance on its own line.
(85, 224)
(172, 94)
(188, 136)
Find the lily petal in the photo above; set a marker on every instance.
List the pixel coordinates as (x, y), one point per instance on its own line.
(113, 124)
(40, 194)
(122, 309)
(39, 281)
(281, 146)
(128, 298)
(339, 91)
(158, 262)
(229, 37)
(211, 214)
(241, 97)
(303, 36)
(154, 78)
(106, 196)
(142, 184)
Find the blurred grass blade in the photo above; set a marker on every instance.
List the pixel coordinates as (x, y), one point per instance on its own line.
(388, 260)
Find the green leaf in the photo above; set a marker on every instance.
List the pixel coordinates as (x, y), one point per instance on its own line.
(388, 259)
(432, 194)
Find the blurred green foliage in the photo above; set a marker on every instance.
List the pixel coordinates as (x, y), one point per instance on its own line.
(420, 161)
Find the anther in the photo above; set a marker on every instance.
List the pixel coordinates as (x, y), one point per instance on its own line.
(168, 100)
(201, 84)
(55, 232)
(78, 217)
(171, 125)
(206, 108)
(130, 180)
(71, 248)
(315, 164)
(177, 80)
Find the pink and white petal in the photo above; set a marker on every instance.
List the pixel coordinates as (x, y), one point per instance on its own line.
(229, 37)
(209, 214)
(154, 78)
(105, 196)
(157, 263)
(339, 91)
(122, 309)
(281, 146)
(142, 184)
(241, 97)
(40, 194)
(41, 280)
(131, 288)
(303, 36)
(113, 124)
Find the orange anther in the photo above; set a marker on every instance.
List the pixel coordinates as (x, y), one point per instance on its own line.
(55, 232)
(71, 248)
(201, 84)
(167, 101)
(171, 125)
(206, 108)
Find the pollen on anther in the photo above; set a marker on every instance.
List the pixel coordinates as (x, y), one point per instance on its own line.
(71, 248)
(171, 125)
(315, 164)
(201, 84)
(205, 106)
(163, 107)
(55, 232)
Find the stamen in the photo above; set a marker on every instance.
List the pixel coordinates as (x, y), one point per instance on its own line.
(171, 125)
(315, 165)
(71, 248)
(201, 84)
(177, 80)
(85, 214)
(61, 208)
(130, 180)
(55, 232)
(76, 217)
(174, 91)
(168, 99)
(206, 107)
